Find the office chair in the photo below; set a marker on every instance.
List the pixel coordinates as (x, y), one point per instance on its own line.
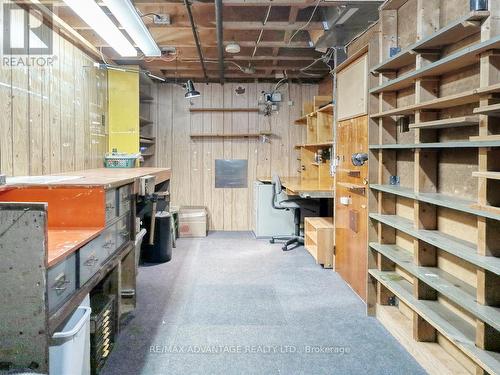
(294, 204)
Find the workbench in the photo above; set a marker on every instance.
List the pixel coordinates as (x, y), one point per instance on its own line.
(61, 236)
(304, 188)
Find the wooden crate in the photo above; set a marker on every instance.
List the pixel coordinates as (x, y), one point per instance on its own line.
(319, 240)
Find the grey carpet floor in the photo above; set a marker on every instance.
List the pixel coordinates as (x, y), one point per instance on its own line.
(231, 304)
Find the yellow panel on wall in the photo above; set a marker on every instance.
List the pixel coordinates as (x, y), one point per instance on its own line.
(123, 107)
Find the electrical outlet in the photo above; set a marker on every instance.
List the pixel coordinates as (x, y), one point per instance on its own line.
(162, 19)
(290, 103)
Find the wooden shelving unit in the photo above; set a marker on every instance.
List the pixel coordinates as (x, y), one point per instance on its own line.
(319, 240)
(147, 139)
(318, 118)
(434, 244)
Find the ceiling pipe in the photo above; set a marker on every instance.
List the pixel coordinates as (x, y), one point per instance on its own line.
(196, 40)
(220, 38)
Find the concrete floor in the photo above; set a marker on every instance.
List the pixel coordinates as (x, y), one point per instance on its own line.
(230, 304)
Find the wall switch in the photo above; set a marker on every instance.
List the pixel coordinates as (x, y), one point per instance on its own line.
(162, 19)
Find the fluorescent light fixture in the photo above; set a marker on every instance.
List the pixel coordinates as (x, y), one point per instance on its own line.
(125, 13)
(93, 15)
(346, 16)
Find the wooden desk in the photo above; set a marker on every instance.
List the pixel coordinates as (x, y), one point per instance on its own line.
(304, 189)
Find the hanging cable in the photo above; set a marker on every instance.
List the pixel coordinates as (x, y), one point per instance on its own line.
(307, 23)
(262, 30)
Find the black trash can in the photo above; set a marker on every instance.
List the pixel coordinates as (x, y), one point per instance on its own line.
(161, 250)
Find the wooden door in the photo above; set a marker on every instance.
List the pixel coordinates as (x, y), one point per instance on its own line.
(351, 218)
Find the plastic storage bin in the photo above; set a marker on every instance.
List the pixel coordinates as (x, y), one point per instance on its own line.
(69, 353)
(192, 221)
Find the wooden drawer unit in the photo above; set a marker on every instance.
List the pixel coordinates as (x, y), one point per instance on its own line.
(319, 240)
(110, 206)
(122, 231)
(124, 199)
(61, 282)
(95, 253)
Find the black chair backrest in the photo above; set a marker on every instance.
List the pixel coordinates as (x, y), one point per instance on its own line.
(277, 189)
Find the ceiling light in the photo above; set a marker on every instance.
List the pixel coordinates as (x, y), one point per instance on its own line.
(233, 47)
(130, 20)
(93, 15)
(191, 91)
(346, 16)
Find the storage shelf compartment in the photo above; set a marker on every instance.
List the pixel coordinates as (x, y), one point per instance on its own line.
(447, 123)
(449, 286)
(449, 324)
(319, 239)
(455, 246)
(458, 144)
(460, 59)
(452, 33)
(455, 100)
(441, 200)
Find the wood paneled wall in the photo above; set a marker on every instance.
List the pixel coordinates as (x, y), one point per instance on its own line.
(52, 118)
(193, 159)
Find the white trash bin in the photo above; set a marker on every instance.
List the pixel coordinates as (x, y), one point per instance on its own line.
(69, 353)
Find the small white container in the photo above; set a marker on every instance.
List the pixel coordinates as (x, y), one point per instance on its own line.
(69, 353)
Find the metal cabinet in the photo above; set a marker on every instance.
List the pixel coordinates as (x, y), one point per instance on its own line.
(61, 281)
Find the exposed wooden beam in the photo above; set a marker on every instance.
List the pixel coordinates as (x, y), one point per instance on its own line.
(228, 25)
(292, 17)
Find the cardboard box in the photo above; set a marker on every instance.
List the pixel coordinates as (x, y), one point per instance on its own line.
(193, 221)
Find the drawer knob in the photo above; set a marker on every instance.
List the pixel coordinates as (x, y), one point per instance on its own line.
(124, 233)
(110, 206)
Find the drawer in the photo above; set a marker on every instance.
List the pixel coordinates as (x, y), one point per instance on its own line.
(124, 199)
(108, 242)
(110, 205)
(61, 282)
(122, 231)
(90, 259)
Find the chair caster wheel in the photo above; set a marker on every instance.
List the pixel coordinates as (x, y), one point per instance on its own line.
(284, 248)
(271, 240)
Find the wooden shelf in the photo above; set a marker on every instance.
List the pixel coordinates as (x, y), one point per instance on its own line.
(328, 109)
(466, 97)
(314, 145)
(441, 200)
(449, 324)
(457, 247)
(452, 33)
(447, 123)
(451, 287)
(489, 175)
(144, 121)
(223, 109)
(319, 239)
(491, 110)
(301, 121)
(354, 188)
(437, 145)
(147, 140)
(460, 59)
(230, 135)
(145, 98)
